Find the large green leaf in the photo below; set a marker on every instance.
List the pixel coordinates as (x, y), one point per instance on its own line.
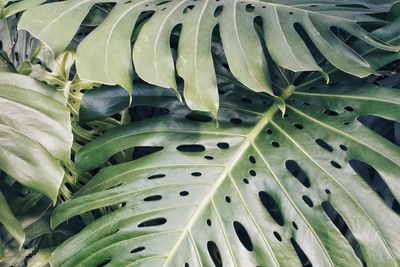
(35, 133)
(253, 191)
(108, 47)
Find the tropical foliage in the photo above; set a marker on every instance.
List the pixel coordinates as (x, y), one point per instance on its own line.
(200, 133)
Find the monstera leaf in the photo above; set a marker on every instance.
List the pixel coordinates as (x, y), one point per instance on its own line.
(279, 22)
(256, 189)
(35, 133)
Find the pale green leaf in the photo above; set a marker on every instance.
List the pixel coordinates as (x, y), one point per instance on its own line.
(108, 47)
(226, 196)
(35, 133)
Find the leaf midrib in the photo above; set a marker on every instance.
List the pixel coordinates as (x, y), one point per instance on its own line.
(220, 179)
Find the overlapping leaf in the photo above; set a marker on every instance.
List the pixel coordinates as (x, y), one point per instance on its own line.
(258, 190)
(108, 47)
(35, 133)
(8, 220)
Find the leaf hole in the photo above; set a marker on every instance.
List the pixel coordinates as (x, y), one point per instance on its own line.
(223, 145)
(196, 174)
(152, 222)
(191, 148)
(245, 181)
(277, 236)
(228, 199)
(343, 147)
(335, 164)
(252, 173)
(252, 160)
(331, 113)
(324, 144)
(209, 157)
(138, 249)
(218, 11)
(298, 126)
(187, 9)
(300, 253)
(295, 226)
(297, 172)
(308, 201)
(209, 222)
(327, 191)
(375, 182)
(275, 144)
(341, 225)
(270, 205)
(243, 235)
(349, 109)
(214, 253)
(198, 117)
(161, 3)
(184, 193)
(156, 176)
(153, 198)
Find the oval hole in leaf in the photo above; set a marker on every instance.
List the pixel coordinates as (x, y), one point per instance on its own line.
(330, 112)
(277, 236)
(198, 117)
(153, 198)
(136, 250)
(223, 145)
(243, 235)
(214, 253)
(297, 172)
(272, 208)
(153, 222)
(300, 253)
(308, 201)
(218, 11)
(324, 144)
(156, 176)
(191, 148)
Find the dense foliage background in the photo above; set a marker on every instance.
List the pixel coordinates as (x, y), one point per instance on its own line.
(218, 133)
